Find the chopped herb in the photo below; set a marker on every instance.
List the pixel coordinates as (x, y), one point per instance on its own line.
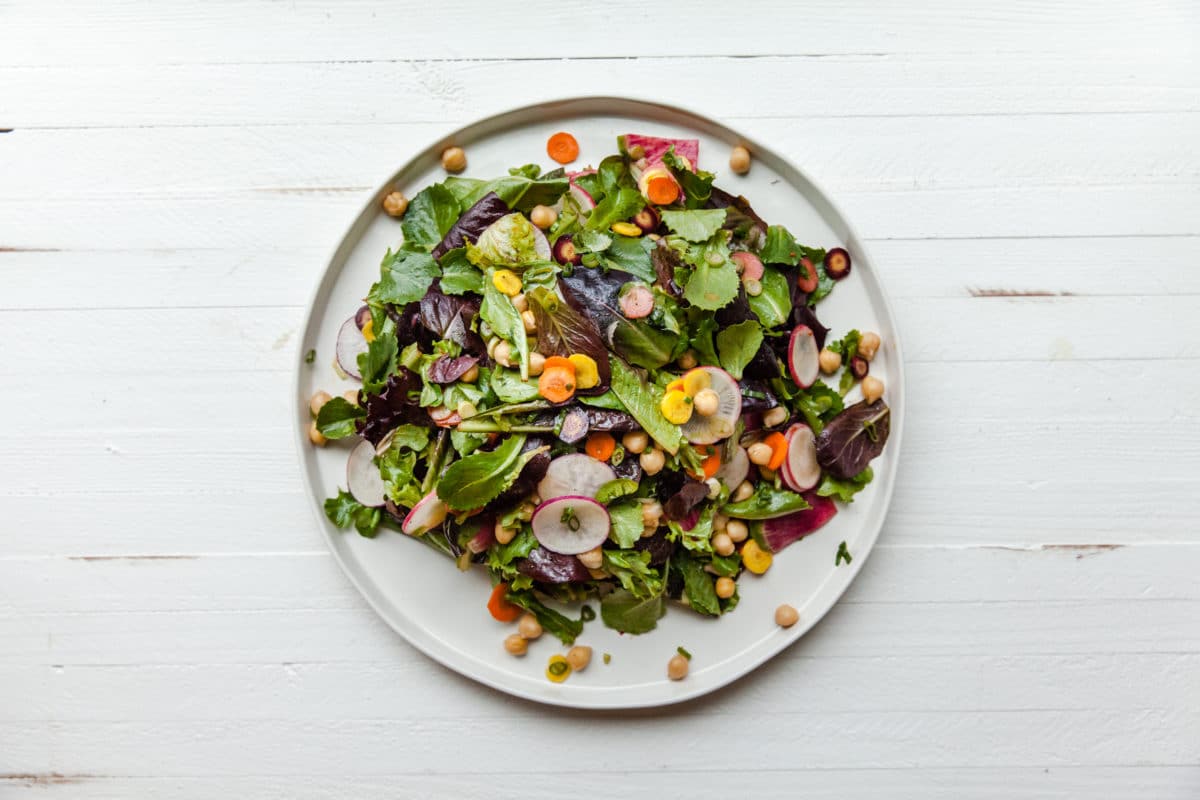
(310, 356)
(587, 613)
(608, 658)
(842, 555)
(569, 519)
(684, 653)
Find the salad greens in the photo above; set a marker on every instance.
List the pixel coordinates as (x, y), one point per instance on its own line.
(579, 390)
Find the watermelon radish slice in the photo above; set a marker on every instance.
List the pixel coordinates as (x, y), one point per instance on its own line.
(803, 356)
(428, 513)
(720, 425)
(800, 470)
(782, 531)
(570, 525)
(734, 471)
(362, 475)
(580, 195)
(574, 474)
(350, 343)
(653, 147)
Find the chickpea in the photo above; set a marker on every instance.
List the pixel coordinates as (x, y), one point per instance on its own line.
(529, 627)
(395, 204)
(722, 544)
(318, 401)
(315, 436)
(775, 416)
(736, 530)
(677, 667)
(516, 644)
(592, 559)
(719, 522)
(454, 159)
(786, 616)
(688, 360)
(829, 361)
(706, 402)
(725, 588)
(351, 396)
(529, 321)
(868, 345)
(520, 302)
(471, 375)
(503, 353)
(466, 409)
(505, 535)
(579, 657)
(872, 388)
(543, 216)
(739, 160)
(652, 461)
(635, 442)
(652, 512)
(744, 491)
(537, 363)
(760, 453)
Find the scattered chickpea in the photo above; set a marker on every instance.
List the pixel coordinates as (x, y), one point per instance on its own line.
(318, 401)
(537, 363)
(635, 442)
(872, 388)
(736, 530)
(543, 216)
(775, 416)
(706, 402)
(652, 512)
(677, 667)
(652, 461)
(725, 588)
(592, 559)
(722, 544)
(739, 160)
(529, 321)
(395, 204)
(503, 354)
(454, 159)
(516, 644)
(579, 657)
(744, 491)
(719, 522)
(466, 409)
(505, 535)
(760, 453)
(529, 627)
(520, 302)
(351, 396)
(315, 436)
(786, 616)
(868, 345)
(471, 375)
(830, 361)
(688, 360)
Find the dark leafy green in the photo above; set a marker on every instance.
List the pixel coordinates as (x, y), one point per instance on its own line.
(459, 275)
(564, 628)
(773, 305)
(337, 418)
(851, 439)
(505, 320)
(697, 184)
(623, 611)
(781, 247)
(765, 503)
(563, 331)
(818, 403)
(642, 400)
(697, 584)
(737, 346)
(379, 360)
(617, 206)
(473, 481)
(405, 276)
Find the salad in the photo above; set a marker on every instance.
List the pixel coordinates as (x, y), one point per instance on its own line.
(601, 385)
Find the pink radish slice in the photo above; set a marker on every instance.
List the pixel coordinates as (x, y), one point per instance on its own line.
(428, 513)
(637, 302)
(578, 173)
(735, 470)
(751, 265)
(782, 531)
(720, 425)
(482, 540)
(653, 147)
(582, 197)
(541, 244)
(800, 469)
(362, 476)
(574, 474)
(362, 317)
(350, 343)
(803, 356)
(570, 525)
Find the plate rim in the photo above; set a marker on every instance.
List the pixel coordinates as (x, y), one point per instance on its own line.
(453, 658)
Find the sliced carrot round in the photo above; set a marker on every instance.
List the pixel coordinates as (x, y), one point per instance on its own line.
(779, 448)
(560, 361)
(557, 384)
(662, 190)
(600, 446)
(710, 465)
(562, 147)
(500, 608)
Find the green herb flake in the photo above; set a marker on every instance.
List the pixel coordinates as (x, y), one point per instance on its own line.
(310, 356)
(587, 613)
(843, 554)
(557, 668)
(683, 653)
(608, 658)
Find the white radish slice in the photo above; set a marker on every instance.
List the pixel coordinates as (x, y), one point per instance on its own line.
(429, 512)
(362, 475)
(350, 343)
(719, 425)
(570, 525)
(735, 470)
(801, 471)
(582, 197)
(574, 474)
(803, 356)
(541, 244)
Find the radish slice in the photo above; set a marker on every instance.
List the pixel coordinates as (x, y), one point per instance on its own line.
(750, 265)
(362, 317)
(637, 302)
(482, 540)
(362, 476)
(800, 469)
(541, 244)
(735, 470)
(350, 343)
(581, 196)
(719, 425)
(574, 474)
(428, 513)
(803, 356)
(570, 525)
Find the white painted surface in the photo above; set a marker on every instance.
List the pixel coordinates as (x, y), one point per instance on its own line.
(173, 183)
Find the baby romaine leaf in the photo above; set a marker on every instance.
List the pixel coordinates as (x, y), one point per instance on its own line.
(429, 217)
(620, 205)
(737, 346)
(473, 481)
(337, 418)
(774, 305)
(845, 490)
(626, 523)
(698, 225)
(405, 276)
(642, 400)
(608, 400)
(505, 320)
(623, 611)
(563, 331)
(697, 584)
(459, 275)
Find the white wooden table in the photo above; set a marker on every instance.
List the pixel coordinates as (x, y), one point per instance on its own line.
(1028, 175)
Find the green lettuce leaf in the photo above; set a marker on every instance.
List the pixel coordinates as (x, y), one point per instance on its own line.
(519, 192)
(459, 275)
(472, 482)
(767, 502)
(844, 490)
(697, 585)
(498, 311)
(345, 511)
(509, 387)
(554, 623)
(632, 568)
(379, 361)
(623, 611)
(502, 558)
(774, 305)
(781, 247)
(737, 346)
(642, 401)
(405, 276)
(626, 522)
(337, 417)
(430, 214)
(819, 404)
(697, 184)
(695, 226)
(620, 205)
(510, 241)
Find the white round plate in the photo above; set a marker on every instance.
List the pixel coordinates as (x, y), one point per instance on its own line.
(442, 611)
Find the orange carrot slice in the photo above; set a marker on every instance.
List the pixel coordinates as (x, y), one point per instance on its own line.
(600, 446)
(562, 147)
(500, 608)
(662, 190)
(779, 448)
